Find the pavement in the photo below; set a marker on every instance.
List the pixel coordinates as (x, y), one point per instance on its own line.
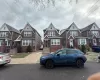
(37, 72)
(32, 58)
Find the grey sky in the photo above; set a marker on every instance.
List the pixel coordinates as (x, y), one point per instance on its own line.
(18, 12)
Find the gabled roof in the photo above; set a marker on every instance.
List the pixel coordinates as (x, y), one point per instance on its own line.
(11, 28)
(62, 31)
(68, 28)
(31, 27)
(50, 27)
(88, 27)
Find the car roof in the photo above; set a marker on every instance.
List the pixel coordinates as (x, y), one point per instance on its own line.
(68, 49)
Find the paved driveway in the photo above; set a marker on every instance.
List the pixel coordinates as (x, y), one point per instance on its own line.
(32, 58)
(35, 72)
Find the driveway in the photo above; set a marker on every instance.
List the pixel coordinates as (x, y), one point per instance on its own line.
(32, 58)
(36, 72)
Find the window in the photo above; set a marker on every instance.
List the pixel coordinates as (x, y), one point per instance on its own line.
(3, 34)
(0, 42)
(70, 51)
(82, 42)
(27, 34)
(95, 33)
(61, 51)
(51, 33)
(55, 41)
(26, 42)
(74, 33)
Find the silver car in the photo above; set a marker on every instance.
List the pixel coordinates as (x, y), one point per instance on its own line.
(5, 58)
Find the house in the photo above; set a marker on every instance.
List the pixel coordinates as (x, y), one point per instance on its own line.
(7, 36)
(92, 32)
(71, 37)
(29, 36)
(52, 39)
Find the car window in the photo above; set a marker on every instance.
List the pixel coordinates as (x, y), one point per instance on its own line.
(61, 52)
(70, 51)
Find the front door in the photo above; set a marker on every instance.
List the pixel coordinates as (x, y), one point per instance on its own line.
(94, 42)
(71, 42)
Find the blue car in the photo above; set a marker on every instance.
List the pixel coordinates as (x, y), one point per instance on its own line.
(64, 57)
(96, 49)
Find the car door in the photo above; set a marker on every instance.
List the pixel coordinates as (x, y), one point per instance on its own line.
(70, 56)
(60, 57)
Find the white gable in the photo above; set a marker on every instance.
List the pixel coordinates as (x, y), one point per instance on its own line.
(73, 27)
(4, 28)
(94, 27)
(28, 28)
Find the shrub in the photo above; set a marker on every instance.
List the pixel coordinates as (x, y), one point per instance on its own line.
(88, 48)
(29, 49)
(83, 49)
(19, 48)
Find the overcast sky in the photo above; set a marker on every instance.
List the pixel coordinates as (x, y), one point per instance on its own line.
(18, 12)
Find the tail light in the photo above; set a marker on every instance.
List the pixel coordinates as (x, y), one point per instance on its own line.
(1, 57)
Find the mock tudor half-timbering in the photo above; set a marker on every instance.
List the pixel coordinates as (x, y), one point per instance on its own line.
(52, 39)
(92, 32)
(29, 36)
(7, 36)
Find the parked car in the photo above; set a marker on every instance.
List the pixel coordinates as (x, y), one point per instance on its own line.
(96, 49)
(4, 58)
(64, 57)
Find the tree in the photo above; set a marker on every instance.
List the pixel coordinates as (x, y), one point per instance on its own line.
(29, 49)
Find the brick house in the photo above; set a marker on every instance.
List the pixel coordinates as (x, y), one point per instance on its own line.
(92, 32)
(52, 40)
(7, 36)
(29, 36)
(71, 37)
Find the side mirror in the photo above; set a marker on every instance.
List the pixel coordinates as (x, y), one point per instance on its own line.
(58, 54)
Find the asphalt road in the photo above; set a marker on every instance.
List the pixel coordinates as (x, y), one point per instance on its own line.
(36, 72)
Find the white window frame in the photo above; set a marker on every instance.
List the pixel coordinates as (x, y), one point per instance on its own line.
(55, 41)
(95, 33)
(82, 40)
(26, 42)
(27, 34)
(0, 42)
(74, 33)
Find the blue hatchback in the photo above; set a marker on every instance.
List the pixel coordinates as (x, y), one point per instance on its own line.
(64, 57)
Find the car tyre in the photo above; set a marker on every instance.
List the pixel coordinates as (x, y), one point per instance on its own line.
(2, 65)
(79, 63)
(49, 64)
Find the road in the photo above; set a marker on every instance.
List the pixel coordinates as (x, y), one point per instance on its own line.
(36, 72)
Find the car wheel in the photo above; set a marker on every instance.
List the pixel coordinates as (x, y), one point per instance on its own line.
(80, 63)
(2, 65)
(49, 64)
